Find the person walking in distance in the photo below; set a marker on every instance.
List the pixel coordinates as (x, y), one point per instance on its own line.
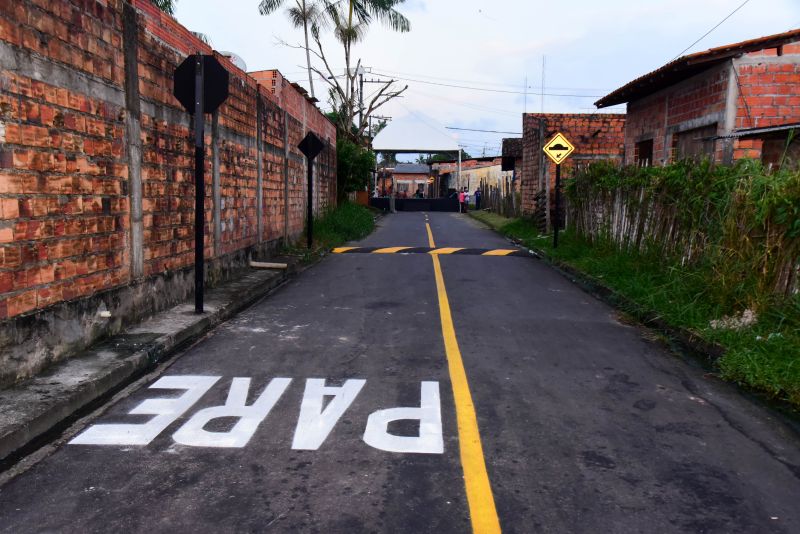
(478, 198)
(466, 200)
(461, 201)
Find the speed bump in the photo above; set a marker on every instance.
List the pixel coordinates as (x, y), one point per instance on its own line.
(438, 251)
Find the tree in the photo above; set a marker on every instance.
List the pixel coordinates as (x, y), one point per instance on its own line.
(353, 166)
(308, 15)
(167, 6)
(350, 20)
(443, 156)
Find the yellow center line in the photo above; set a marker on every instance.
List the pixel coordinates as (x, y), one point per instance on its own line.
(479, 491)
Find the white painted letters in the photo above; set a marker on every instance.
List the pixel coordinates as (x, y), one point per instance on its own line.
(430, 425)
(314, 423)
(193, 432)
(165, 410)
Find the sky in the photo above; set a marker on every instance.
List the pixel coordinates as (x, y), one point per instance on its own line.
(490, 49)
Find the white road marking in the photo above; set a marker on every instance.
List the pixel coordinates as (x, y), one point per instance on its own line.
(314, 424)
(194, 434)
(429, 415)
(166, 411)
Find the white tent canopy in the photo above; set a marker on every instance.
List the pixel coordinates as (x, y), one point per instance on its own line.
(414, 133)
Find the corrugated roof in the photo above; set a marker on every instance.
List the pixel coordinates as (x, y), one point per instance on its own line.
(761, 132)
(687, 66)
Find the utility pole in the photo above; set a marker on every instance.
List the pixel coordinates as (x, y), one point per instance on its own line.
(544, 61)
(360, 98)
(525, 98)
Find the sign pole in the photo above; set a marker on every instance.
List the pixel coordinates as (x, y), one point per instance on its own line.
(199, 184)
(310, 146)
(310, 206)
(558, 150)
(557, 210)
(200, 84)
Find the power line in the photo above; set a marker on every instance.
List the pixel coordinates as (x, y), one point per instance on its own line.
(498, 111)
(487, 90)
(474, 130)
(473, 82)
(712, 29)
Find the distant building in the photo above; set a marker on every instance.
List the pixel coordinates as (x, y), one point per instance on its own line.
(412, 179)
(512, 155)
(475, 172)
(736, 101)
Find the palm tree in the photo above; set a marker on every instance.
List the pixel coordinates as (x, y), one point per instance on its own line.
(307, 15)
(167, 6)
(350, 20)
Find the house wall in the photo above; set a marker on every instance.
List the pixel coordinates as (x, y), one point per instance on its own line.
(596, 137)
(755, 90)
(700, 101)
(97, 180)
(768, 94)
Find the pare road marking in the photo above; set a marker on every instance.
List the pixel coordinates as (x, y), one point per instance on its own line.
(314, 422)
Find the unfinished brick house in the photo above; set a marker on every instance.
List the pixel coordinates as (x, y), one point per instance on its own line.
(736, 101)
(597, 136)
(96, 173)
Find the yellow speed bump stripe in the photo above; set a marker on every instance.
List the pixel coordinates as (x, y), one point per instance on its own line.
(389, 250)
(445, 250)
(499, 252)
(456, 251)
(482, 511)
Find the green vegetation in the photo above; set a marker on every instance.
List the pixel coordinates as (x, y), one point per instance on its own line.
(492, 219)
(353, 167)
(348, 222)
(713, 250)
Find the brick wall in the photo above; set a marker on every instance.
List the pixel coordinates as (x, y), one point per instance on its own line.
(694, 103)
(756, 90)
(595, 137)
(97, 180)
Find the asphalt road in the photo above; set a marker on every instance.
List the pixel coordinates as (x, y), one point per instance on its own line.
(586, 423)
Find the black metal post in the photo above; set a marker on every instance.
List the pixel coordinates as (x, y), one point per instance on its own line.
(557, 208)
(199, 185)
(310, 204)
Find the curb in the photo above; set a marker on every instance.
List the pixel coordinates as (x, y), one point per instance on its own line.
(35, 410)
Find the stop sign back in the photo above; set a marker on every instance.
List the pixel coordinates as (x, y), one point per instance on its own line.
(215, 84)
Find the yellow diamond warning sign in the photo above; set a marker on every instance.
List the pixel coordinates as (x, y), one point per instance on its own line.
(558, 149)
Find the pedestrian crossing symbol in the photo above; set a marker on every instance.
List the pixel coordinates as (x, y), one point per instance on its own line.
(558, 149)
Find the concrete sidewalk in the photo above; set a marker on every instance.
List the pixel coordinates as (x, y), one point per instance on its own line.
(36, 408)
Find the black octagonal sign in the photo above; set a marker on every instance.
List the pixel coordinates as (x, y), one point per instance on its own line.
(215, 84)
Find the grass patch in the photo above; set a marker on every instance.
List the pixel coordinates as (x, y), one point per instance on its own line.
(348, 222)
(490, 218)
(764, 356)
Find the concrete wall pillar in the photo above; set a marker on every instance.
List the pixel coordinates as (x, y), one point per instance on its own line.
(133, 132)
(260, 165)
(215, 185)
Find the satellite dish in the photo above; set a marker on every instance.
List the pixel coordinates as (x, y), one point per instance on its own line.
(236, 59)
